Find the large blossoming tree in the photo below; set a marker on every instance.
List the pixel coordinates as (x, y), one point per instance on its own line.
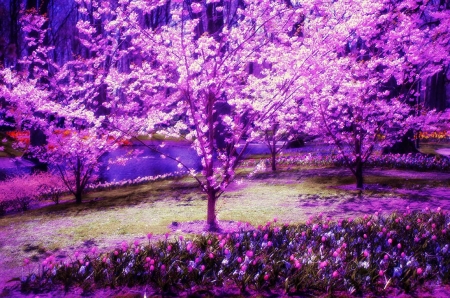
(189, 82)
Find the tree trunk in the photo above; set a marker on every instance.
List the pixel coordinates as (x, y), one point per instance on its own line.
(274, 161)
(211, 220)
(78, 197)
(359, 174)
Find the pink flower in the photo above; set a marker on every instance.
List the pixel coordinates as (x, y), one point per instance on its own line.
(399, 246)
(26, 261)
(366, 253)
(147, 259)
(433, 237)
(163, 267)
(369, 223)
(239, 260)
(323, 264)
(202, 267)
(181, 238)
(419, 271)
(209, 242)
(390, 240)
(335, 274)
(269, 244)
(433, 226)
(266, 277)
(386, 256)
(266, 236)
(152, 268)
(169, 247)
(211, 255)
(136, 242)
(149, 236)
(381, 273)
(408, 227)
(298, 265)
(116, 253)
(324, 239)
(365, 236)
(335, 254)
(444, 231)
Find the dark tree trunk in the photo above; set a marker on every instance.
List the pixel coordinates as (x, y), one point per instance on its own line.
(211, 219)
(274, 160)
(359, 174)
(78, 197)
(358, 162)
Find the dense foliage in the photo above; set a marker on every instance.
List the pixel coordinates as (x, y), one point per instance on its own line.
(369, 254)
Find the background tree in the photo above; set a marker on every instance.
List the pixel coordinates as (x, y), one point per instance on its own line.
(363, 97)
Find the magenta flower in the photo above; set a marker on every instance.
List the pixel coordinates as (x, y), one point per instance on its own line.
(169, 247)
(381, 273)
(249, 253)
(390, 240)
(266, 277)
(335, 274)
(419, 271)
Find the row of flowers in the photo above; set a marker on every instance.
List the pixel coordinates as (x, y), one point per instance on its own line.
(419, 162)
(368, 254)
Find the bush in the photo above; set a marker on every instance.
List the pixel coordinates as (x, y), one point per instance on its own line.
(17, 193)
(367, 254)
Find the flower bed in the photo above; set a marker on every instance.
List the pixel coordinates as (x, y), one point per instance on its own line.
(369, 254)
(420, 162)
